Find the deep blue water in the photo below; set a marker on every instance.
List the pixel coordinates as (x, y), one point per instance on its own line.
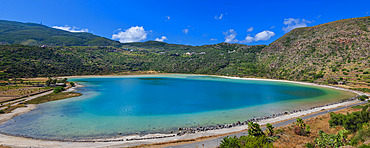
(151, 104)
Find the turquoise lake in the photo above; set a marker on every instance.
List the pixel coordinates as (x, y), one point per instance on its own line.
(162, 103)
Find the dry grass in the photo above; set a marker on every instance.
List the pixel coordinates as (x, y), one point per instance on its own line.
(288, 139)
(11, 108)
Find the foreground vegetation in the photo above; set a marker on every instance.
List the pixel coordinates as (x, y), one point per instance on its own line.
(329, 131)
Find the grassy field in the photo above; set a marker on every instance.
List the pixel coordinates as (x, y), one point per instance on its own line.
(53, 97)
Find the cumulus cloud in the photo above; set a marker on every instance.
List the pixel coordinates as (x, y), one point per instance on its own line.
(212, 39)
(230, 36)
(133, 34)
(262, 36)
(291, 23)
(219, 17)
(250, 29)
(186, 31)
(70, 29)
(161, 39)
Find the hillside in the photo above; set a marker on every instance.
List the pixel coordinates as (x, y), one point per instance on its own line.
(328, 53)
(30, 61)
(37, 34)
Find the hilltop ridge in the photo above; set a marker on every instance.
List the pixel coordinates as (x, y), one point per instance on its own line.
(12, 32)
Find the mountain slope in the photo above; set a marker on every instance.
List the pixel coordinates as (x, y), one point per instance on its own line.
(327, 53)
(36, 35)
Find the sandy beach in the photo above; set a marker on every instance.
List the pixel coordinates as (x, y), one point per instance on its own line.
(126, 141)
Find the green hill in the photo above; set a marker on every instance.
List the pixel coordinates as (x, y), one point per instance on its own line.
(36, 34)
(327, 53)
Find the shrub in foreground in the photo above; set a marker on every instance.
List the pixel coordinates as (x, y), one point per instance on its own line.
(246, 142)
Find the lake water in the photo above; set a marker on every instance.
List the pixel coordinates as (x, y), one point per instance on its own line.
(162, 103)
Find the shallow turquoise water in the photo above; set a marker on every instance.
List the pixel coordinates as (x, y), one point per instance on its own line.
(161, 103)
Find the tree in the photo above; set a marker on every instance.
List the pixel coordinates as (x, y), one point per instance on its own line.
(254, 129)
(270, 129)
(72, 84)
(58, 89)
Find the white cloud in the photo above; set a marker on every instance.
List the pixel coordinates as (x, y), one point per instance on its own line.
(262, 36)
(219, 17)
(250, 29)
(212, 39)
(186, 31)
(168, 18)
(133, 34)
(161, 39)
(70, 29)
(247, 39)
(272, 27)
(230, 36)
(292, 23)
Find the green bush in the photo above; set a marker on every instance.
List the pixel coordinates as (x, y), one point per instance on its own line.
(58, 89)
(362, 135)
(364, 146)
(254, 129)
(270, 129)
(331, 140)
(246, 142)
(363, 97)
(301, 128)
(336, 119)
(309, 145)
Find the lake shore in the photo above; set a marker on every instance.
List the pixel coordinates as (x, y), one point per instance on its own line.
(135, 140)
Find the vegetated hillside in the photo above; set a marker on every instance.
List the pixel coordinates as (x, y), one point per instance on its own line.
(328, 53)
(31, 61)
(37, 34)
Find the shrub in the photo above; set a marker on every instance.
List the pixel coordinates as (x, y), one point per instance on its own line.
(331, 140)
(58, 89)
(270, 129)
(309, 145)
(246, 142)
(254, 129)
(72, 84)
(336, 119)
(301, 128)
(353, 122)
(363, 97)
(361, 135)
(230, 142)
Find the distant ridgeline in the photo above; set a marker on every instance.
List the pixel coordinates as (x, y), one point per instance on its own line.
(336, 52)
(38, 35)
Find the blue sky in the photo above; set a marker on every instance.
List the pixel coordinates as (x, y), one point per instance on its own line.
(192, 22)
